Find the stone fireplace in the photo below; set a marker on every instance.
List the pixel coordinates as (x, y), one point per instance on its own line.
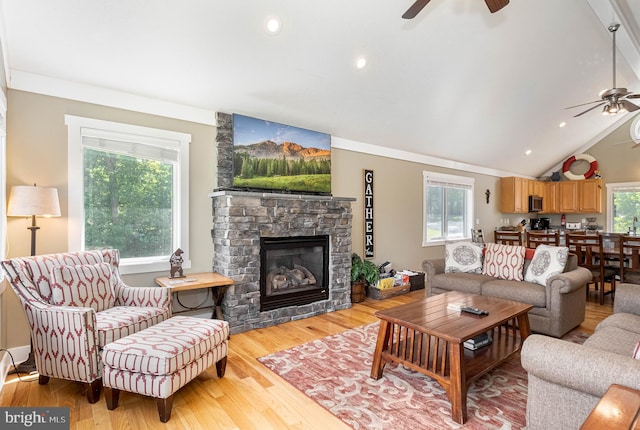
(247, 225)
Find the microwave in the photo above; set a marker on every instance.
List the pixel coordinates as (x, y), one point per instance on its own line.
(535, 203)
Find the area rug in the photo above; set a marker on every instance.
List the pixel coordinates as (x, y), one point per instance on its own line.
(334, 372)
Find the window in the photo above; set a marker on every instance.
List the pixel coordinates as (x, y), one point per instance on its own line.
(128, 189)
(448, 208)
(623, 204)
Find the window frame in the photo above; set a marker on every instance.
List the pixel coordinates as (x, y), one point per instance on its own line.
(465, 181)
(611, 189)
(80, 126)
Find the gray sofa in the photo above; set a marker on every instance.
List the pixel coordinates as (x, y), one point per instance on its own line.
(566, 379)
(558, 306)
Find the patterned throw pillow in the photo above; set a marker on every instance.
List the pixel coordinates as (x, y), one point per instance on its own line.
(504, 261)
(547, 262)
(463, 257)
(87, 285)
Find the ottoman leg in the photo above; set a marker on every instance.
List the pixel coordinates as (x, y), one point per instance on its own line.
(43, 380)
(221, 366)
(164, 408)
(111, 395)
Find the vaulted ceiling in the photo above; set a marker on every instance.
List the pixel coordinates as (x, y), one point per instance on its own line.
(456, 83)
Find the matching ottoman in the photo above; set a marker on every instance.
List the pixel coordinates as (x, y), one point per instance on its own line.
(161, 359)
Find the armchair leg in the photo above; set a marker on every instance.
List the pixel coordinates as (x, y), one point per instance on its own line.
(43, 380)
(111, 395)
(93, 390)
(164, 408)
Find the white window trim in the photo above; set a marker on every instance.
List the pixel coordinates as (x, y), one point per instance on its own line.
(611, 188)
(454, 179)
(75, 126)
(3, 186)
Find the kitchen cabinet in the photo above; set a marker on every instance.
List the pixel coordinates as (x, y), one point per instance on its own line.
(514, 195)
(590, 195)
(550, 198)
(558, 197)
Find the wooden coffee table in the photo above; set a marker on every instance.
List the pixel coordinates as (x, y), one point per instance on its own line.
(427, 337)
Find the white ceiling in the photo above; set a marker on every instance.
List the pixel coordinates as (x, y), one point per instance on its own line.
(456, 82)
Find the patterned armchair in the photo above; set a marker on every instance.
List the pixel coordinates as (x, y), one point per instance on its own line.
(75, 304)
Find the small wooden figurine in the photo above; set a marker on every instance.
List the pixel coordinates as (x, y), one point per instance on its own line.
(176, 264)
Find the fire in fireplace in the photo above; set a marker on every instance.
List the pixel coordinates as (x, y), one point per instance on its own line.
(294, 271)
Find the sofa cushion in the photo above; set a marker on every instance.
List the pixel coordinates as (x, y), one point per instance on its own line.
(463, 257)
(85, 285)
(464, 282)
(547, 261)
(613, 339)
(504, 261)
(524, 292)
(623, 320)
(121, 321)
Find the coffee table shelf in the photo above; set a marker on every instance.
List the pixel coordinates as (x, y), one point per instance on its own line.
(428, 337)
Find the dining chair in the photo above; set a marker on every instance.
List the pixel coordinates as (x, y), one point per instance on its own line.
(611, 244)
(508, 237)
(630, 255)
(590, 253)
(533, 239)
(477, 236)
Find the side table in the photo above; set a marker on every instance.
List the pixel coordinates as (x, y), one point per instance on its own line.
(617, 409)
(194, 281)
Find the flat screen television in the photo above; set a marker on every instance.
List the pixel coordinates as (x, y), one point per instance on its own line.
(278, 157)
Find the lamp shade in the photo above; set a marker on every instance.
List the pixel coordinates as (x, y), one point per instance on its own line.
(25, 200)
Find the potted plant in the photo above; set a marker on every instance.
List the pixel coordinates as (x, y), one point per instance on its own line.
(363, 273)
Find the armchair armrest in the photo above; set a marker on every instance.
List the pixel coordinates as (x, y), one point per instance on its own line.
(62, 334)
(627, 299)
(577, 367)
(156, 297)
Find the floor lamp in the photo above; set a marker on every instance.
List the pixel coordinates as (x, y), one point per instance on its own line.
(32, 201)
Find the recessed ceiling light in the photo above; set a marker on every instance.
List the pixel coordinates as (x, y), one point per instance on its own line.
(361, 63)
(562, 124)
(527, 152)
(273, 24)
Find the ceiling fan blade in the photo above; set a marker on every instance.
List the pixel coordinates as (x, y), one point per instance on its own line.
(496, 5)
(415, 9)
(632, 96)
(630, 107)
(584, 104)
(589, 110)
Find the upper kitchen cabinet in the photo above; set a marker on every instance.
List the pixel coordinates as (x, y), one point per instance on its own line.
(590, 195)
(514, 195)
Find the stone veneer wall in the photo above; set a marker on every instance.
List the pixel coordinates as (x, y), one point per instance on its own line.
(241, 218)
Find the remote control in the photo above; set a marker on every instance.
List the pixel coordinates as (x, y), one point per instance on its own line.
(474, 311)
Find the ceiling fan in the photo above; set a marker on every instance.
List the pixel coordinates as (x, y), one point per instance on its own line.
(493, 5)
(615, 99)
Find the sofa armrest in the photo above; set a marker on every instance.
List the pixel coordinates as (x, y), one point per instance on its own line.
(627, 299)
(431, 268)
(577, 367)
(567, 282)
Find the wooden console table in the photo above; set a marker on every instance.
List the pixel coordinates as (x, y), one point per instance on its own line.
(195, 281)
(618, 409)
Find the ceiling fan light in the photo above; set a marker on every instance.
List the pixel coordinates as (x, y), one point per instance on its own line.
(605, 110)
(613, 109)
(621, 108)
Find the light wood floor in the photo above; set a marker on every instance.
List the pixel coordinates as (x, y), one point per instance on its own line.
(248, 397)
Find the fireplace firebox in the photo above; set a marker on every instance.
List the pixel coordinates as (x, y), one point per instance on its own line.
(294, 271)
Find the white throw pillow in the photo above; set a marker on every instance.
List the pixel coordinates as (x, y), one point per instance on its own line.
(463, 257)
(504, 261)
(547, 262)
(87, 285)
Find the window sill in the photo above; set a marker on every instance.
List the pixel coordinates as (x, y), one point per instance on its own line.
(132, 266)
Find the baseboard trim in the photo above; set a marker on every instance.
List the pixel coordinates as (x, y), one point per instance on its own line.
(20, 354)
